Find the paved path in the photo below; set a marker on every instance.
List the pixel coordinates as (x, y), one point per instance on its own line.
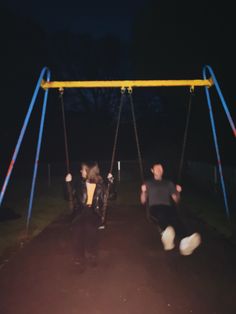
(134, 276)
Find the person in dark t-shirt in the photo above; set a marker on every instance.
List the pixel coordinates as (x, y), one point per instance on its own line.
(161, 196)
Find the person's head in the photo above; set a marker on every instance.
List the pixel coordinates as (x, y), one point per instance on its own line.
(157, 170)
(91, 172)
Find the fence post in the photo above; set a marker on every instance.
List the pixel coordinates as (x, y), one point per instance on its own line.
(118, 167)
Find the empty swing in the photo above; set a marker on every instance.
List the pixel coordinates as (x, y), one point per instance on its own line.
(123, 94)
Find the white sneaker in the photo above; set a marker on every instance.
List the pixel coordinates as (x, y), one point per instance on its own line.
(189, 244)
(167, 238)
(101, 227)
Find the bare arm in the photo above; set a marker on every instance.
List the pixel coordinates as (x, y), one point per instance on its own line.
(176, 196)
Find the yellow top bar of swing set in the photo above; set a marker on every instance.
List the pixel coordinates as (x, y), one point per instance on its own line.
(125, 84)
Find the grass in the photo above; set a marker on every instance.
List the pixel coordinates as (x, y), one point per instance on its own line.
(48, 204)
(210, 209)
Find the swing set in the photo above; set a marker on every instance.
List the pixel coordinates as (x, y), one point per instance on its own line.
(46, 84)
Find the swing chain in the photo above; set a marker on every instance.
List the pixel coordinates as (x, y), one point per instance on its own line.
(185, 134)
(69, 188)
(61, 92)
(123, 90)
(136, 134)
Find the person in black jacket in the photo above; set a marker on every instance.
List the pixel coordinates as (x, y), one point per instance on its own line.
(89, 196)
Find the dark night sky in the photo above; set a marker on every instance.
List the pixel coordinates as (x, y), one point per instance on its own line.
(160, 40)
(95, 17)
(179, 35)
(180, 38)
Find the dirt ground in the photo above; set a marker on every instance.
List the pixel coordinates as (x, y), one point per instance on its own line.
(134, 275)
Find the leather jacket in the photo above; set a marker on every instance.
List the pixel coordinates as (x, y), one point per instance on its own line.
(79, 195)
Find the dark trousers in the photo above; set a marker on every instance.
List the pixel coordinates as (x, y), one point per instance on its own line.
(165, 216)
(86, 233)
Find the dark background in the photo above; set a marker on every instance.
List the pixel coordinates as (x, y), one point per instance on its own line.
(105, 41)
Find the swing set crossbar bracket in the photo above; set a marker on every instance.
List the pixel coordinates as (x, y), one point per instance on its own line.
(125, 84)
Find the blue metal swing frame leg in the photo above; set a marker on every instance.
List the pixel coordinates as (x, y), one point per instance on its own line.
(37, 158)
(214, 130)
(44, 71)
